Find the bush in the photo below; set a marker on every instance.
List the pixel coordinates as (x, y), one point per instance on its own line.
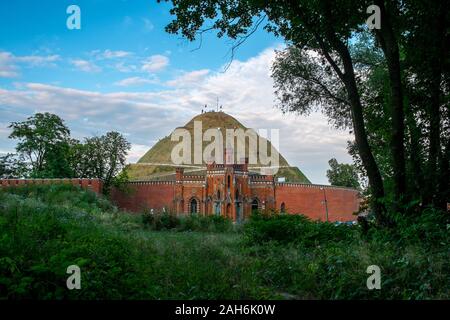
(44, 229)
(160, 221)
(39, 240)
(210, 223)
(297, 229)
(169, 221)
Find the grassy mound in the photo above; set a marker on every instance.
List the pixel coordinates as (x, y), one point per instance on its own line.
(148, 168)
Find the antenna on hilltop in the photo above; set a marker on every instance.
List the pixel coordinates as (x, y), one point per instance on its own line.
(218, 108)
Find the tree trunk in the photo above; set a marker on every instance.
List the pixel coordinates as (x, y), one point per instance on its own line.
(364, 149)
(416, 179)
(389, 45)
(365, 152)
(347, 76)
(437, 54)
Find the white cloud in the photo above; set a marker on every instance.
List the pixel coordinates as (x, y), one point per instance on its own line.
(135, 81)
(110, 54)
(7, 68)
(39, 60)
(122, 67)
(245, 90)
(9, 63)
(136, 152)
(85, 65)
(155, 63)
(188, 78)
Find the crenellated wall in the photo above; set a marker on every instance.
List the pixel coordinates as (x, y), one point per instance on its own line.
(309, 199)
(295, 198)
(95, 185)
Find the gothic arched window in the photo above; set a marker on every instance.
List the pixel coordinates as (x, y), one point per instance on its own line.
(194, 206)
(255, 205)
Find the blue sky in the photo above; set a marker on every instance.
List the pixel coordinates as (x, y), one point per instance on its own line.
(123, 72)
(135, 28)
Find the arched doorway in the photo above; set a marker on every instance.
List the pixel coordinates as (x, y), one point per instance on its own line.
(194, 206)
(283, 208)
(255, 205)
(217, 208)
(238, 212)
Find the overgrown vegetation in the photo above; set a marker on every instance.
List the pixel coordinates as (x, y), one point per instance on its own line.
(44, 229)
(169, 221)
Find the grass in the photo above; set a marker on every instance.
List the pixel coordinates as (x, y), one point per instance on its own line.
(44, 229)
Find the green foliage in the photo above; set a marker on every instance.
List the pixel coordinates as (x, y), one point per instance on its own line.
(343, 174)
(315, 260)
(169, 221)
(46, 147)
(44, 140)
(389, 86)
(160, 221)
(297, 229)
(102, 157)
(47, 228)
(44, 229)
(12, 166)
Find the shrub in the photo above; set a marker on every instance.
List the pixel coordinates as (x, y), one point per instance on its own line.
(169, 221)
(210, 223)
(160, 221)
(297, 229)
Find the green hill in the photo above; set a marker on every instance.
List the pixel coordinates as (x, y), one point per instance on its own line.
(157, 162)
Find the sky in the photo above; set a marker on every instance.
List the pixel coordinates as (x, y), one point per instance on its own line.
(121, 71)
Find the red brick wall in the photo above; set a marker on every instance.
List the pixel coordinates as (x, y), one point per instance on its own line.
(145, 195)
(95, 185)
(298, 198)
(309, 200)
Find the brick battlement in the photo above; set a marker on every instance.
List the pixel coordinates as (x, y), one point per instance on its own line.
(94, 185)
(310, 185)
(151, 182)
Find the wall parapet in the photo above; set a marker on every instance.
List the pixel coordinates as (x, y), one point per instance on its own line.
(314, 186)
(95, 185)
(152, 182)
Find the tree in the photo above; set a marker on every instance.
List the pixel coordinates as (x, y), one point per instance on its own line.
(101, 157)
(322, 26)
(342, 174)
(43, 142)
(12, 166)
(388, 40)
(394, 97)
